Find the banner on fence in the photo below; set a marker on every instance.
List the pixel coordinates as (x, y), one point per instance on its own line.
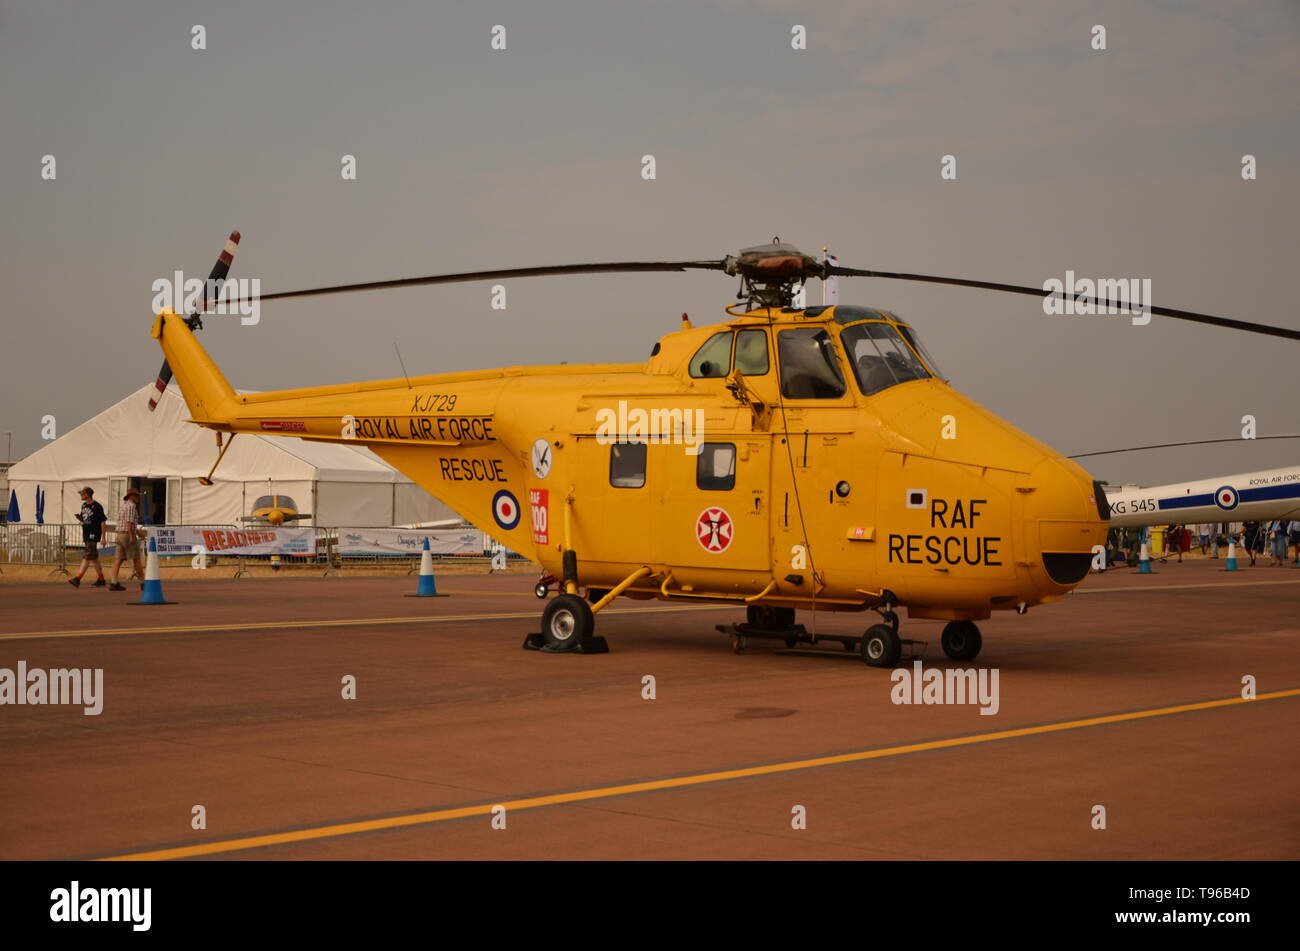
(183, 539)
(387, 541)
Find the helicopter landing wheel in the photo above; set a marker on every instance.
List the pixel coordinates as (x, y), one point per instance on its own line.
(738, 645)
(961, 640)
(769, 619)
(566, 621)
(880, 646)
(541, 590)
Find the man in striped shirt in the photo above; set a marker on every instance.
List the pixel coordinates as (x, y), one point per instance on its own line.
(124, 538)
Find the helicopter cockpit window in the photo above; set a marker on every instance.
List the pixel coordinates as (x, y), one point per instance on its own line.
(627, 465)
(880, 358)
(275, 502)
(910, 336)
(809, 370)
(715, 469)
(714, 358)
(751, 352)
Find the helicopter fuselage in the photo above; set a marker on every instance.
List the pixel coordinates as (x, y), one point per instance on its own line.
(788, 458)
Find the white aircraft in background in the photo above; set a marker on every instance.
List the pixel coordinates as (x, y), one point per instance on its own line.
(1251, 496)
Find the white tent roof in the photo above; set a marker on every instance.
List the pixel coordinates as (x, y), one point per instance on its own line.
(128, 439)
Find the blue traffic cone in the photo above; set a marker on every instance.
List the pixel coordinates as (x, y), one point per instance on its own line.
(1144, 564)
(151, 591)
(427, 588)
(1231, 563)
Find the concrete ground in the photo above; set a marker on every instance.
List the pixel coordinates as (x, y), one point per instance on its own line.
(231, 700)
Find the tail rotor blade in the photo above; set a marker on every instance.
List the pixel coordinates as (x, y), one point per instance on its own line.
(160, 385)
(216, 278)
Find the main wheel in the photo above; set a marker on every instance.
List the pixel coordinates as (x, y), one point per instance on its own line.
(566, 620)
(880, 646)
(768, 618)
(961, 640)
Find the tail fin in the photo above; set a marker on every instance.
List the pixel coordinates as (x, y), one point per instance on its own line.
(208, 394)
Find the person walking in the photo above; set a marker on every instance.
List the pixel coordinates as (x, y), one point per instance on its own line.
(1251, 531)
(1295, 538)
(124, 538)
(1277, 543)
(1174, 542)
(92, 519)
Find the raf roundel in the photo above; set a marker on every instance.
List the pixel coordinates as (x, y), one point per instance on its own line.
(1225, 497)
(714, 530)
(505, 509)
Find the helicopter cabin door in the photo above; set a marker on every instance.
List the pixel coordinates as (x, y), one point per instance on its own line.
(613, 527)
(712, 491)
(712, 506)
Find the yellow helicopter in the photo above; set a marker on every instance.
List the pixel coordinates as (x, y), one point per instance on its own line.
(785, 458)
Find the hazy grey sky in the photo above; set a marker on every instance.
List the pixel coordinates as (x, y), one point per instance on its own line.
(1117, 163)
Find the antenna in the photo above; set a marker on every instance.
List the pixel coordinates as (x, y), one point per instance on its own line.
(403, 364)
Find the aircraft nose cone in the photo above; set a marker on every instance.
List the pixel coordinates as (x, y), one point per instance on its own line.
(1063, 519)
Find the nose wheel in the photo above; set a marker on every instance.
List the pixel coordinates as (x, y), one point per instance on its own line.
(961, 640)
(880, 646)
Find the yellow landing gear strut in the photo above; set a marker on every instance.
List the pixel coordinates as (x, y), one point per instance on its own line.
(568, 622)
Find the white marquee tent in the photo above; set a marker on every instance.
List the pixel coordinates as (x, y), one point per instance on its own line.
(164, 455)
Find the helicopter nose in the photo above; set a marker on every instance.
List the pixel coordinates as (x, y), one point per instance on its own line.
(1065, 516)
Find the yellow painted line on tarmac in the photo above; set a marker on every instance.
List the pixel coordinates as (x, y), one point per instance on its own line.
(335, 622)
(1185, 587)
(676, 782)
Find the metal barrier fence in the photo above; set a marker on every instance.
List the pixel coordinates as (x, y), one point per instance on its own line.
(22, 543)
(58, 544)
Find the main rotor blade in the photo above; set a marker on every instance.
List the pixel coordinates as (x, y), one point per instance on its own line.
(1039, 292)
(1169, 445)
(504, 274)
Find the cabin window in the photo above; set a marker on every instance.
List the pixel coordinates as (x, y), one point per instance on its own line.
(275, 502)
(880, 358)
(714, 358)
(627, 465)
(809, 369)
(751, 352)
(911, 337)
(715, 468)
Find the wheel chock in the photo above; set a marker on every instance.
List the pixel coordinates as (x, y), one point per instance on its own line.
(588, 645)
